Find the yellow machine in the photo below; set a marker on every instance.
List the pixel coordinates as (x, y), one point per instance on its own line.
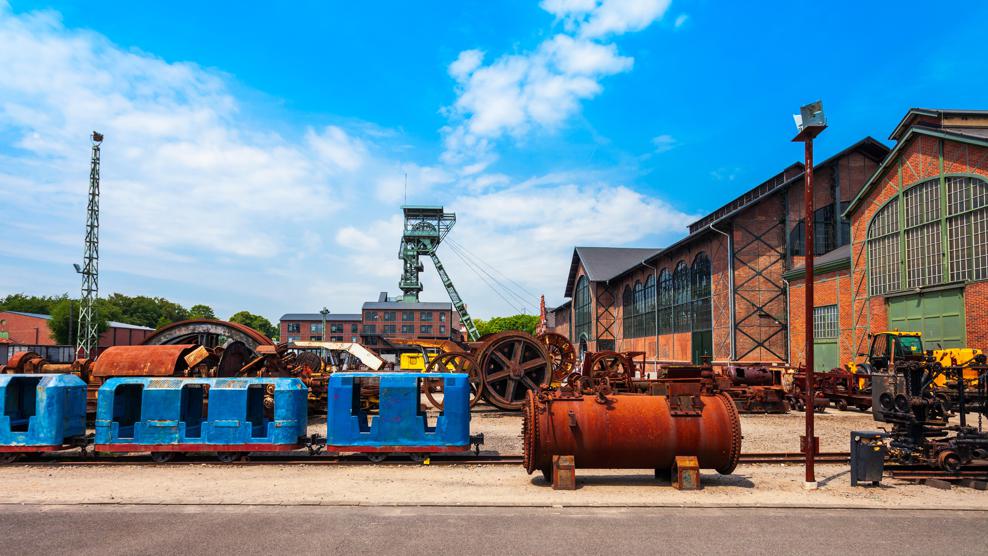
(887, 346)
(412, 362)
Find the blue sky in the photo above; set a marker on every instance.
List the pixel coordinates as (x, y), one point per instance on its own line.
(254, 156)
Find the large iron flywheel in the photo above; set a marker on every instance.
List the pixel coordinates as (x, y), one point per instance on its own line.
(512, 364)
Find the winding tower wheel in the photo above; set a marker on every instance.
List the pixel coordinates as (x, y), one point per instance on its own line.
(234, 344)
(562, 354)
(512, 364)
(453, 363)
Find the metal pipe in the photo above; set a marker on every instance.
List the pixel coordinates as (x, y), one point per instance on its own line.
(655, 308)
(808, 313)
(730, 284)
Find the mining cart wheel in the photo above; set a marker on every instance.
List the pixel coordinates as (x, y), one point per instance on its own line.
(162, 457)
(453, 363)
(562, 354)
(376, 457)
(841, 404)
(9, 457)
(512, 364)
(229, 457)
(418, 457)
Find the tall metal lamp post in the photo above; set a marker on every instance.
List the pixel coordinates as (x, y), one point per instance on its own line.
(324, 313)
(810, 122)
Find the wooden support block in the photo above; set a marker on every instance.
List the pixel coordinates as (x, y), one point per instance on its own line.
(563, 473)
(686, 473)
(937, 483)
(975, 484)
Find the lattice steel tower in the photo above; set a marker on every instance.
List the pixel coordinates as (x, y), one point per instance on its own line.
(425, 228)
(88, 334)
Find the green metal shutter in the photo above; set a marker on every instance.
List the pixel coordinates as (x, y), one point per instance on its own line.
(938, 315)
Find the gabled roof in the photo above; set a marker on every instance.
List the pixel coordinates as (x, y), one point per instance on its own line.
(971, 134)
(604, 263)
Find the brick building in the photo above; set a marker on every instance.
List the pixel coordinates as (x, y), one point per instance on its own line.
(377, 321)
(720, 293)
(918, 256)
(32, 329)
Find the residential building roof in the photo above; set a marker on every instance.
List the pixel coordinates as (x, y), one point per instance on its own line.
(604, 263)
(331, 317)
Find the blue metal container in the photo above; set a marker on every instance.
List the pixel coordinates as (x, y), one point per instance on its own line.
(401, 424)
(41, 412)
(140, 414)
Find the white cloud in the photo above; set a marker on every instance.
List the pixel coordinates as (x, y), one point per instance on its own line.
(540, 90)
(664, 143)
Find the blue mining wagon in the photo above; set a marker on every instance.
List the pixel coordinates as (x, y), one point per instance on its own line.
(229, 416)
(401, 424)
(40, 413)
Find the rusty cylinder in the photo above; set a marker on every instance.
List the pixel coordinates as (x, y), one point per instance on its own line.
(629, 432)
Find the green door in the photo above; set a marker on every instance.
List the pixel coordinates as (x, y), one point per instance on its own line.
(825, 355)
(938, 315)
(702, 346)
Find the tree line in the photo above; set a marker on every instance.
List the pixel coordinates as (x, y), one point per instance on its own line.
(140, 310)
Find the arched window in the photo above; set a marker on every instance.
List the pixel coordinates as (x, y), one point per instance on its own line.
(650, 306)
(639, 310)
(665, 301)
(681, 298)
(628, 309)
(905, 237)
(581, 308)
(700, 293)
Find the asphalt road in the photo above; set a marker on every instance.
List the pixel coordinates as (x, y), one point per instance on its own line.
(216, 530)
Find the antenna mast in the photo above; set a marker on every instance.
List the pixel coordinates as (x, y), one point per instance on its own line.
(88, 336)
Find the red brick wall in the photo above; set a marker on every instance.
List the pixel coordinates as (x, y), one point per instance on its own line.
(832, 288)
(23, 329)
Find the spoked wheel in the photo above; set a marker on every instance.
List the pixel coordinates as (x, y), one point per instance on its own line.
(163, 457)
(512, 364)
(376, 457)
(9, 457)
(562, 354)
(453, 363)
(229, 457)
(612, 366)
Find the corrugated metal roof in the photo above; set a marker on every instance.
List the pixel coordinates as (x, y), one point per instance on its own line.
(318, 317)
(112, 323)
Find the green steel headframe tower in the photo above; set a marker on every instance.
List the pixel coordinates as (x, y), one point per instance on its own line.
(425, 228)
(88, 336)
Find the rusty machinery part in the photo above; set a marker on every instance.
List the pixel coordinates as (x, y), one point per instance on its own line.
(207, 332)
(143, 360)
(453, 363)
(621, 431)
(308, 362)
(29, 362)
(561, 353)
(512, 364)
(611, 367)
(750, 376)
(232, 357)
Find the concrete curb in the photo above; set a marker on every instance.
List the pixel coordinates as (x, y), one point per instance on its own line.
(342, 504)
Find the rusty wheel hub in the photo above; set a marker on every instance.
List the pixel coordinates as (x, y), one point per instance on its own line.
(512, 364)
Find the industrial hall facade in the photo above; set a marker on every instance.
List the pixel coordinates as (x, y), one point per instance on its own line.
(901, 242)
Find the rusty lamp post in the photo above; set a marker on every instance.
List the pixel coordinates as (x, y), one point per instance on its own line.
(810, 122)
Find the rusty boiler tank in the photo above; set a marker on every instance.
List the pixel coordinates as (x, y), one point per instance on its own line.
(630, 431)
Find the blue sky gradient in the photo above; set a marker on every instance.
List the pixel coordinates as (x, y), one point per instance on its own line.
(675, 111)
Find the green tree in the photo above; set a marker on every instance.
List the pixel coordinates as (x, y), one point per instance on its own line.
(257, 322)
(64, 323)
(201, 312)
(30, 303)
(526, 323)
(147, 311)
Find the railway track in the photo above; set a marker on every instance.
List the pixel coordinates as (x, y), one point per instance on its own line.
(77, 459)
